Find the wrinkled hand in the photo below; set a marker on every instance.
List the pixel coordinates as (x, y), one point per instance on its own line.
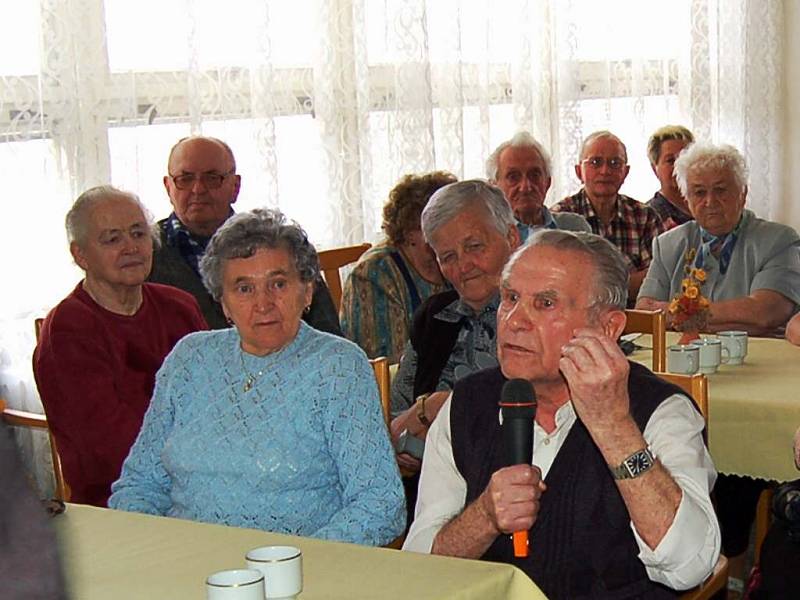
(408, 464)
(596, 371)
(511, 500)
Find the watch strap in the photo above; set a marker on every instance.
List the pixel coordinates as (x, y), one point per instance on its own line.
(420, 404)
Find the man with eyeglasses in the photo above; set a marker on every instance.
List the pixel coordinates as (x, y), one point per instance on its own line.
(202, 185)
(627, 223)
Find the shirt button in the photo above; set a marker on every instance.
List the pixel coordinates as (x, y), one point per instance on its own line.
(546, 441)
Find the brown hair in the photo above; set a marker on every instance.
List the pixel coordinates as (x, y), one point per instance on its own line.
(401, 213)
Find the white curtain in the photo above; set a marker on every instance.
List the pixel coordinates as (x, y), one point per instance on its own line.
(326, 103)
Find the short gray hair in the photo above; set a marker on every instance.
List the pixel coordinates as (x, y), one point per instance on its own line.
(596, 135)
(611, 271)
(453, 199)
(708, 157)
(521, 139)
(77, 219)
(244, 234)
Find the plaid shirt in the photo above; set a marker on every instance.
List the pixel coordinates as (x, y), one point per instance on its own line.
(671, 215)
(632, 229)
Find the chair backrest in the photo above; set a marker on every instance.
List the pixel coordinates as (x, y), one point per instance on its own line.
(381, 367)
(695, 386)
(330, 261)
(653, 322)
(21, 418)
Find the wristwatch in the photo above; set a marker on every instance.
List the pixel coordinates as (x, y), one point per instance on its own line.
(420, 404)
(638, 463)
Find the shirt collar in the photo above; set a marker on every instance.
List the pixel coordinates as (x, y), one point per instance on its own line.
(458, 309)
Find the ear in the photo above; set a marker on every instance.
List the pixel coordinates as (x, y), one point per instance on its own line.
(653, 166)
(579, 172)
(613, 323)
(513, 238)
(547, 185)
(308, 295)
(237, 184)
(78, 255)
(626, 170)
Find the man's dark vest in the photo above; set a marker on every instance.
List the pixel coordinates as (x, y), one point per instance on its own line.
(581, 543)
(433, 341)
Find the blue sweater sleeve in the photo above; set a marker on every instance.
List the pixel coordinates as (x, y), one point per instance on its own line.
(144, 484)
(373, 502)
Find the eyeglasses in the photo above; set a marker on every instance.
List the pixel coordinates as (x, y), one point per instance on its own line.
(212, 181)
(597, 162)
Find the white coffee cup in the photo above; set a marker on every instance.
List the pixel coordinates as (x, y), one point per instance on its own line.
(236, 584)
(712, 354)
(683, 358)
(282, 567)
(736, 343)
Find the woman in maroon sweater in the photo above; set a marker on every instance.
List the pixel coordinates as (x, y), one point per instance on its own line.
(100, 348)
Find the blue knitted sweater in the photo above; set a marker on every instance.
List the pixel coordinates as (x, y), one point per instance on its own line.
(304, 451)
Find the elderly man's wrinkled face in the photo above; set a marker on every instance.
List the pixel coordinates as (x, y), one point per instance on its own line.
(545, 298)
(472, 252)
(663, 169)
(201, 185)
(522, 175)
(603, 168)
(118, 246)
(715, 199)
(265, 298)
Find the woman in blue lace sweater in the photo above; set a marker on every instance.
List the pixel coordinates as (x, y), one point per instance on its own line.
(270, 424)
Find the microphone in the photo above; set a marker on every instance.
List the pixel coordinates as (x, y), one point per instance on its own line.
(518, 407)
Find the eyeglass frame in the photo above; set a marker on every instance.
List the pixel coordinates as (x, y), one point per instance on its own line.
(202, 177)
(597, 162)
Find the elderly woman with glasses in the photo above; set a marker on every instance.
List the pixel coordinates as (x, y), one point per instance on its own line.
(752, 266)
(270, 424)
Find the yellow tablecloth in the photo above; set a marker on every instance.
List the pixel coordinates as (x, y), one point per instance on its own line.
(116, 555)
(754, 409)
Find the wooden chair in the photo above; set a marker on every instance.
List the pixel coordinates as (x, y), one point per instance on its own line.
(330, 261)
(380, 366)
(696, 386)
(21, 418)
(653, 322)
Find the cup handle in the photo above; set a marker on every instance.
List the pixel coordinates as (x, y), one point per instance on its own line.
(725, 355)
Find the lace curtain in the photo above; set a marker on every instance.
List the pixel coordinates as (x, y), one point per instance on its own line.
(326, 103)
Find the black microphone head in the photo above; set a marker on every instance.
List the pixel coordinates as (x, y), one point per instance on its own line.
(518, 399)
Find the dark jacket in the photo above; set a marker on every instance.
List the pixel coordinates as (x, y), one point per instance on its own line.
(169, 268)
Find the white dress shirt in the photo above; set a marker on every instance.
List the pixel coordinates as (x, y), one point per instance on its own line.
(688, 551)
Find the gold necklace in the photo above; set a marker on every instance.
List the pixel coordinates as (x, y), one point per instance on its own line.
(251, 379)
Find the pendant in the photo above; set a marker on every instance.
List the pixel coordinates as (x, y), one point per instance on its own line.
(248, 383)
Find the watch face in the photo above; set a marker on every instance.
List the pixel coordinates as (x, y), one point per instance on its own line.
(638, 463)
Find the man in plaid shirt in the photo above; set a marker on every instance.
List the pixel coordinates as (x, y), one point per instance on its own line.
(627, 223)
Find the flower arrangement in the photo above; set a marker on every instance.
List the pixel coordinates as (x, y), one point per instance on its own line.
(690, 309)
